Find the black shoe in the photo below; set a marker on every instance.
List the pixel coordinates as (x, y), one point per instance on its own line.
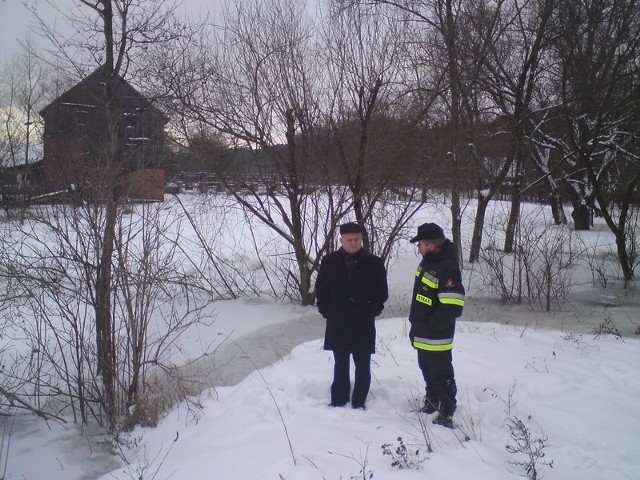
(429, 407)
(334, 404)
(444, 420)
(358, 406)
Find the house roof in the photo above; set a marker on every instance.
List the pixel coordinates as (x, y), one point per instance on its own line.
(92, 83)
(22, 167)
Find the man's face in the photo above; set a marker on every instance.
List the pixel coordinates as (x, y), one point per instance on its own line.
(425, 247)
(351, 242)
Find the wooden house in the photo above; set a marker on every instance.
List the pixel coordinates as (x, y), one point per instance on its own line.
(78, 127)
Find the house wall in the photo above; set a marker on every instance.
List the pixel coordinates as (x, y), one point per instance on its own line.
(63, 161)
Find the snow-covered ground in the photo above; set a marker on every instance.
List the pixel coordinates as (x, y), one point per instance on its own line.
(574, 393)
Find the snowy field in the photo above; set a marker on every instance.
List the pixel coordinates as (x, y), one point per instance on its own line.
(535, 389)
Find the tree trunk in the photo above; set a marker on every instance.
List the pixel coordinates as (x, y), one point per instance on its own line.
(514, 218)
(476, 239)
(623, 256)
(581, 216)
(104, 330)
(294, 189)
(456, 233)
(516, 201)
(449, 33)
(557, 210)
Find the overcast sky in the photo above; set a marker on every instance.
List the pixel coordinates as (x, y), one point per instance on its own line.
(14, 22)
(16, 19)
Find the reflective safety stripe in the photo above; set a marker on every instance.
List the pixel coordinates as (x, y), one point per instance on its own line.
(422, 299)
(451, 299)
(432, 345)
(430, 281)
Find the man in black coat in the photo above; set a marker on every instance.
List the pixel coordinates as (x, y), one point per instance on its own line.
(351, 289)
(436, 302)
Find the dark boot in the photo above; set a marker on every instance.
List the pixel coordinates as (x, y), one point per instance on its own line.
(444, 420)
(431, 404)
(448, 392)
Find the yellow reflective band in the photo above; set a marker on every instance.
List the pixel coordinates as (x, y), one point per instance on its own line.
(459, 296)
(452, 299)
(430, 281)
(433, 347)
(422, 299)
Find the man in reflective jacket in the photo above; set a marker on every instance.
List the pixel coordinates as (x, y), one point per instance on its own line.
(438, 299)
(351, 289)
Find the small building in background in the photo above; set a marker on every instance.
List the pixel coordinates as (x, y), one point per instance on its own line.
(20, 173)
(77, 129)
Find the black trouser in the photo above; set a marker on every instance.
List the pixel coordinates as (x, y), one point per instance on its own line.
(341, 386)
(437, 371)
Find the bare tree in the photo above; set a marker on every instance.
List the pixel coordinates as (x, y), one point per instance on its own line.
(158, 300)
(597, 49)
(255, 81)
(16, 379)
(457, 70)
(107, 34)
(546, 160)
(156, 295)
(555, 158)
(373, 144)
(511, 77)
(23, 91)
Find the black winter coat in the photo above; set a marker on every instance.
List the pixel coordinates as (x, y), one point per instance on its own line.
(437, 300)
(350, 302)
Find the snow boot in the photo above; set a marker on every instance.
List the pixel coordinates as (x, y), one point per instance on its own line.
(447, 404)
(431, 405)
(444, 420)
(448, 391)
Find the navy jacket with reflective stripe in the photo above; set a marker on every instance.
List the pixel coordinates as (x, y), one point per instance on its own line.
(437, 300)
